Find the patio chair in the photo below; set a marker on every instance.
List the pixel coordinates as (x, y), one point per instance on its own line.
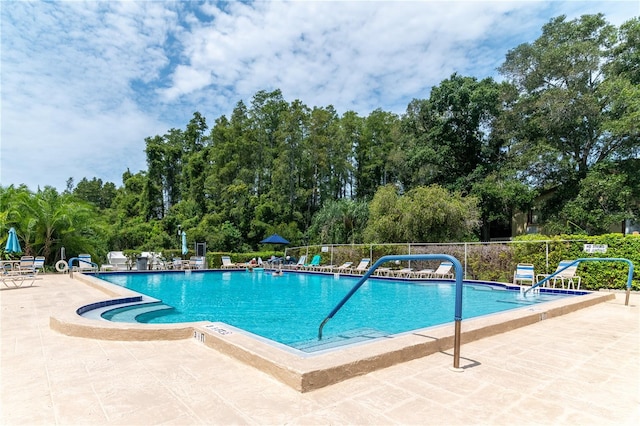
(27, 264)
(383, 271)
(227, 264)
(443, 271)
(315, 262)
(422, 273)
(20, 272)
(524, 274)
(562, 275)
(176, 263)
(298, 265)
(85, 264)
(403, 273)
(344, 267)
(117, 261)
(362, 267)
(196, 262)
(38, 264)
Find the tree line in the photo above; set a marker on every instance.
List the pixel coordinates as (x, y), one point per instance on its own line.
(558, 134)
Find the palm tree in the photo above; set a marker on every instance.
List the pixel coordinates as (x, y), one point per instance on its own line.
(49, 220)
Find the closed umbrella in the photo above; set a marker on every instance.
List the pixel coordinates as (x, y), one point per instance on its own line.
(13, 245)
(185, 250)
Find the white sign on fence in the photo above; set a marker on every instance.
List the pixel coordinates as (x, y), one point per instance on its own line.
(595, 248)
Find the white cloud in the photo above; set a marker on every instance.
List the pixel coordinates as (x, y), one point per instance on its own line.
(83, 83)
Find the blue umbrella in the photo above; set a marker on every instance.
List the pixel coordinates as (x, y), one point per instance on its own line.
(274, 239)
(13, 245)
(185, 250)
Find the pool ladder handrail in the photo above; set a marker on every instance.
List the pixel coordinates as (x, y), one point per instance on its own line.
(587, 259)
(458, 300)
(70, 263)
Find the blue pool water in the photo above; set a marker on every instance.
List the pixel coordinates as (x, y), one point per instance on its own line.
(289, 308)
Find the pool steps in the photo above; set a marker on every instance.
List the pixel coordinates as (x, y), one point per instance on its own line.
(132, 312)
(347, 338)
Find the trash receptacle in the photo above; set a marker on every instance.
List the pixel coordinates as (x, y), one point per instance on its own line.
(141, 263)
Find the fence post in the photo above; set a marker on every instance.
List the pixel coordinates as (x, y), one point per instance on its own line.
(465, 260)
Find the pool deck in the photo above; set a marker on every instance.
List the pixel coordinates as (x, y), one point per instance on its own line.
(579, 368)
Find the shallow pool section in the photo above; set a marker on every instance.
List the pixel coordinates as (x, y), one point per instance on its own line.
(289, 309)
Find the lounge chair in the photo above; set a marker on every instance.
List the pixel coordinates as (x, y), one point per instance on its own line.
(402, 273)
(422, 273)
(443, 271)
(26, 264)
(154, 260)
(195, 262)
(38, 264)
(568, 275)
(524, 274)
(300, 263)
(85, 264)
(227, 264)
(362, 266)
(315, 262)
(176, 263)
(20, 272)
(384, 271)
(18, 276)
(117, 261)
(344, 267)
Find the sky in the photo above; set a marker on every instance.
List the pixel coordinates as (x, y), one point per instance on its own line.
(82, 84)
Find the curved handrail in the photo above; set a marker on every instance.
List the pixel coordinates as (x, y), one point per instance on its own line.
(458, 308)
(587, 259)
(95, 265)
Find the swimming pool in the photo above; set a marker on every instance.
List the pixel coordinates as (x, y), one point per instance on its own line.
(288, 309)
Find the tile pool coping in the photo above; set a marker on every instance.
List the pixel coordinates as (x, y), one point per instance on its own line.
(312, 371)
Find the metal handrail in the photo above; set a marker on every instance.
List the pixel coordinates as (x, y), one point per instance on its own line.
(458, 308)
(70, 263)
(587, 259)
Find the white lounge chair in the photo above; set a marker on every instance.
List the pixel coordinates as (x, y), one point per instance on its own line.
(196, 262)
(567, 275)
(117, 261)
(227, 264)
(341, 268)
(383, 272)
(20, 272)
(298, 265)
(403, 273)
(524, 274)
(422, 273)
(362, 267)
(443, 271)
(85, 264)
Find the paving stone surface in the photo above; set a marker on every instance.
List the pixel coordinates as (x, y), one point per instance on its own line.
(578, 369)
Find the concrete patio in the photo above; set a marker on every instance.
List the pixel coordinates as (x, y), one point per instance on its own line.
(580, 368)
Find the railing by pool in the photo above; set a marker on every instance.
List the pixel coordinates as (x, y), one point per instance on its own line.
(590, 259)
(458, 303)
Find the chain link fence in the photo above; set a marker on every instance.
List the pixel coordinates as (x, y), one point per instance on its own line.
(490, 261)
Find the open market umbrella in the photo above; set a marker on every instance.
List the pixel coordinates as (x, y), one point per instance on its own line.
(185, 250)
(274, 239)
(13, 245)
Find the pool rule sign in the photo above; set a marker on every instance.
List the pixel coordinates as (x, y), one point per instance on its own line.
(595, 248)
